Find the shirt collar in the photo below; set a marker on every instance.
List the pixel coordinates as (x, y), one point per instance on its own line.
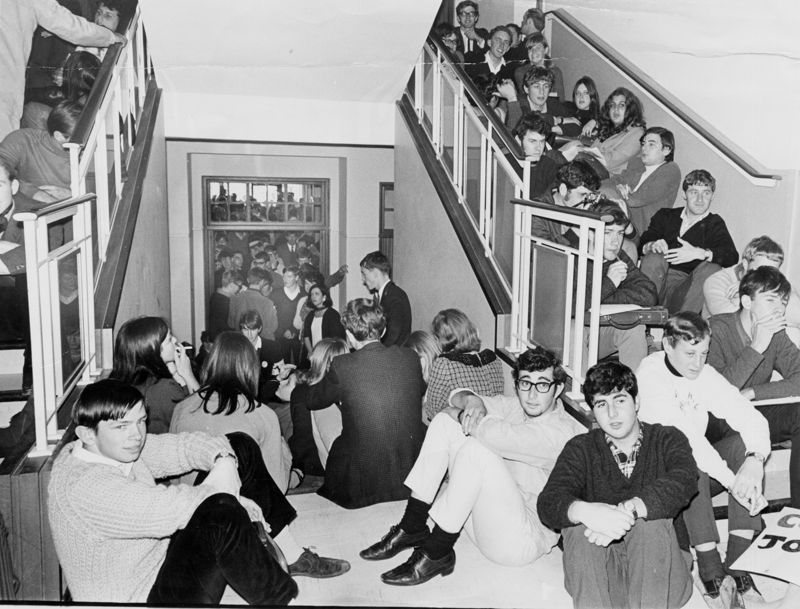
(382, 289)
(494, 67)
(686, 222)
(80, 452)
(671, 368)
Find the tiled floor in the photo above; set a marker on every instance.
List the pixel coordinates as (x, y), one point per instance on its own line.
(476, 582)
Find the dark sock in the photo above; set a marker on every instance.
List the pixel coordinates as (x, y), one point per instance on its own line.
(415, 518)
(736, 547)
(709, 565)
(440, 543)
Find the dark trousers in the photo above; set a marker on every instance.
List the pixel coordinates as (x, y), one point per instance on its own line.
(677, 290)
(699, 516)
(305, 456)
(220, 547)
(784, 424)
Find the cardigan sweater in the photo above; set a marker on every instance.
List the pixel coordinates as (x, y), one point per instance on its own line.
(664, 478)
(671, 399)
(111, 531)
(744, 367)
(709, 233)
(331, 324)
(620, 148)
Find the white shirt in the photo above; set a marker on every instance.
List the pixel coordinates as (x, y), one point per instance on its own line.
(687, 223)
(648, 171)
(494, 69)
(80, 452)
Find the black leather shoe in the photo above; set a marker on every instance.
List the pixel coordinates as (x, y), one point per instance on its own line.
(420, 568)
(396, 540)
(271, 546)
(713, 586)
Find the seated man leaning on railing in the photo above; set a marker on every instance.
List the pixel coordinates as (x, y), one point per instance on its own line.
(622, 283)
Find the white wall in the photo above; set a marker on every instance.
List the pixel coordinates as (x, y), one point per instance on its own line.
(354, 172)
(734, 62)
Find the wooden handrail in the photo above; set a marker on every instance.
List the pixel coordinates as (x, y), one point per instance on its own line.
(672, 103)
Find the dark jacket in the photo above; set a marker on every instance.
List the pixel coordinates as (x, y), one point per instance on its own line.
(665, 476)
(379, 391)
(710, 233)
(397, 310)
(636, 288)
(331, 324)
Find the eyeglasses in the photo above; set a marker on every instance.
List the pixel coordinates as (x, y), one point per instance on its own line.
(468, 13)
(541, 386)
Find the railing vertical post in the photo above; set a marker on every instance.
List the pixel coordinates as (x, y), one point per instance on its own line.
(459, 128)
(101, 186)
(75, 180)
(86, 286)
(419, 82)
(436, 109)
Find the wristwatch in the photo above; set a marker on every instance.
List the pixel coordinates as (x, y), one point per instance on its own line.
(757, 456)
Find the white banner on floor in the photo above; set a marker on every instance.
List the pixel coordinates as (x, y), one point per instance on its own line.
(776, 551)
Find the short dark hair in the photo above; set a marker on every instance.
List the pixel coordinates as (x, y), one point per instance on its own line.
(251, 320)
(611, 213)
(532, 121)
(124, 9)
(364, 319)
(466, 3)
(224, 253)
(327, 301)
(688, 326)
(764, 279)
(667, 139)
(106, 400)
(536, 15)
(536, 359)
(6, 166)
(257, 274)
(538, 74)
(499, 28)
(64, 117)
(377, 260)
(699, 177)
(535, 38)
(576, 174)
(608, 377)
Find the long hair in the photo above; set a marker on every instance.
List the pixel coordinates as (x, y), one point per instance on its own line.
(427, 347)
(230, 370)
(80, 72)
(321, 357)
(594, 96)
(137, 351)
(634, 115)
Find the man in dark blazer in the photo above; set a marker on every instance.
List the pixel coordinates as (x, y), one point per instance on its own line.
(683, 246)
(469, 38)
(376, 272)
(287, 250)
(488, 62)
(379, 392)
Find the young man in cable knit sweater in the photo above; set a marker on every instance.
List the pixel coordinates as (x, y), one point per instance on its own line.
(613, 494)
(120, 537)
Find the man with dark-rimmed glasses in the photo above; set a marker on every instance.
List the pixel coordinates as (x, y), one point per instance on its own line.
(498, 452)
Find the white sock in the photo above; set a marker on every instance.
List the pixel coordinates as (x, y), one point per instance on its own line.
(288, 545)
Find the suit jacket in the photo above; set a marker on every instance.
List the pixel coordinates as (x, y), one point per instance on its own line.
(658, 191)
(379, 391)
(710, 233)
(397, 309)
(483, 33)
(289, 258)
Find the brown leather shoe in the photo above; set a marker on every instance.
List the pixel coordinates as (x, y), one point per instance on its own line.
(420, 568)
(311, 564)
(396, 540)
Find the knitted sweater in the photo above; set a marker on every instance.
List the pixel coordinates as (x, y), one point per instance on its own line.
(671, 399)
(111, 531)
(665, 476)
(730, 353)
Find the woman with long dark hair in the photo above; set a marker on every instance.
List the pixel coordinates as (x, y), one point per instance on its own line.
(322, 320)
(585, 109)
(228, 402)
(149, 357)
(619, 131)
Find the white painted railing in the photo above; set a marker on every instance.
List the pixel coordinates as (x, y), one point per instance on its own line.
(61, 307)
(483, 162)
(549, 299)
(101, 145)
(61, 277)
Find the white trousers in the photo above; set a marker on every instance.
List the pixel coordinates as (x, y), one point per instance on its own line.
(481, 496)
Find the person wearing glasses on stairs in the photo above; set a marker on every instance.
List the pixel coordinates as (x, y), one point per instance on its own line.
(498, 453)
